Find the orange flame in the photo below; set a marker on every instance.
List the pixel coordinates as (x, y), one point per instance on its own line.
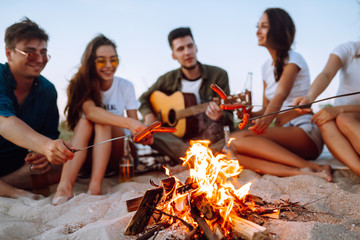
(211, 173)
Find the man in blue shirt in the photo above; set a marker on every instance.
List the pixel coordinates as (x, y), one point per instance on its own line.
(28, 112)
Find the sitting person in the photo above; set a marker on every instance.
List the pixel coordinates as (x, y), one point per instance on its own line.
(191, 78)
(29, 115)
(281, 150)
(95, 109)
(340, 125)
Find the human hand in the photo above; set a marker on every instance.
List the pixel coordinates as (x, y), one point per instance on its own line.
(325, 115)
(213, 111)
(37, 161)
(138, 127)
(259, 126)
(58, 151)
(149, 119)
(302, 101)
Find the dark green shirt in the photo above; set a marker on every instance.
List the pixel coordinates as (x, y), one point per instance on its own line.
(170, 82)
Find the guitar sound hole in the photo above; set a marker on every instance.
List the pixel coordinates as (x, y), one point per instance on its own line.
(172, 117)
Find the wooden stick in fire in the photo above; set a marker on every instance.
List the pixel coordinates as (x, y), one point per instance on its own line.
(201, 222)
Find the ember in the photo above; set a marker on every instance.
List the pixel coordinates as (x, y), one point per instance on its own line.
(207, 203)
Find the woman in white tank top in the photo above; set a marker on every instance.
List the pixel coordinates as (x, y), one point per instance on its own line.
(280, 150)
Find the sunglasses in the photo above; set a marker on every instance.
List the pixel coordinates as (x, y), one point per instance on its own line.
(102, 61)
(33, 56)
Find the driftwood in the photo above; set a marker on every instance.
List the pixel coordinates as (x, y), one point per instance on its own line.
(248, 230)
(142, 216)
(133, 204)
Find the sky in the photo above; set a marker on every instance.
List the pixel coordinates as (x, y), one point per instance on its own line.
(224, 32)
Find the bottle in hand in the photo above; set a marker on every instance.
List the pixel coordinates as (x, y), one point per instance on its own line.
(126, 163)
(39, 181)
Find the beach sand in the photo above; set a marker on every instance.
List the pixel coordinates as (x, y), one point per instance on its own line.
(334, 207)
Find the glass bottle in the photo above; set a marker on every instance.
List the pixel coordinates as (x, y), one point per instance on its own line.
(247, 91)
(248, 82)
(126, 163)
(226, 149)
(39, 181)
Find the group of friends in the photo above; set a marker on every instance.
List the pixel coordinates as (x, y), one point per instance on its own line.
(279, 144)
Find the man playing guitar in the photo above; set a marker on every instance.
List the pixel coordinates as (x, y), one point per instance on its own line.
(195, 78)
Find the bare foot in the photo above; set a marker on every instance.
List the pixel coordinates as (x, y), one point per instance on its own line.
(323, 172)
(61, 197)
(93, 193)
(327, 170)
(94, 188)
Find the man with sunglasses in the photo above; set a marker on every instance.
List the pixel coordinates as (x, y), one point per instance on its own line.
(29, 115)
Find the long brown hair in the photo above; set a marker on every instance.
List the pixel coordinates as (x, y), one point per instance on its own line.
(280, 36)
(85, 84)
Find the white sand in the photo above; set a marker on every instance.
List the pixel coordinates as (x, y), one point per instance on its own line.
(335, 207)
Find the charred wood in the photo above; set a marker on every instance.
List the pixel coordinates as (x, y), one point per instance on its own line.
(142, 216)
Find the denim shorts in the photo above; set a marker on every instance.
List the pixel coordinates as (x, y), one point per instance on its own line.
(310, 128)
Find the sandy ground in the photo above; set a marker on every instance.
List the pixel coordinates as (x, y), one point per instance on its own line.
(334, 207)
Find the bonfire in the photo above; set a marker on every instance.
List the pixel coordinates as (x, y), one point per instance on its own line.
(208, 205)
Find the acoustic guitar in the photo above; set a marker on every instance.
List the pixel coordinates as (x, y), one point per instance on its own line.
(179, 109)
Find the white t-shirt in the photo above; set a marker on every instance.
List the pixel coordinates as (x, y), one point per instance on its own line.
(301, 84)
(349, 73)
(120, 97)
(191, 87)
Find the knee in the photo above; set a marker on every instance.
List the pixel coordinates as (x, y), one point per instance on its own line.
(84, 122)
(237, 145)
(83, 126)
(102, 128)
(343, 121)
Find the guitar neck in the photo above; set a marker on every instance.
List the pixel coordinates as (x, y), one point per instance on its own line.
(191, 111)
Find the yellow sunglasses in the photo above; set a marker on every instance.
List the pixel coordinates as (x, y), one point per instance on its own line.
(102, 61)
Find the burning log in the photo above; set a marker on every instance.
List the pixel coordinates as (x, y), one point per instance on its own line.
(133, 204)
(204, 207)
(142, 216)
(203, 225)
(218, 232)
(190, 235)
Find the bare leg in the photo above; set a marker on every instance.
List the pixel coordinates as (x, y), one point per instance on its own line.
(279, 145)
(101, 155)
(117, 148)
(349, 125)
(81, 137)
(266, 167)
(339, 145)
(9, 191)
(12, 185)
